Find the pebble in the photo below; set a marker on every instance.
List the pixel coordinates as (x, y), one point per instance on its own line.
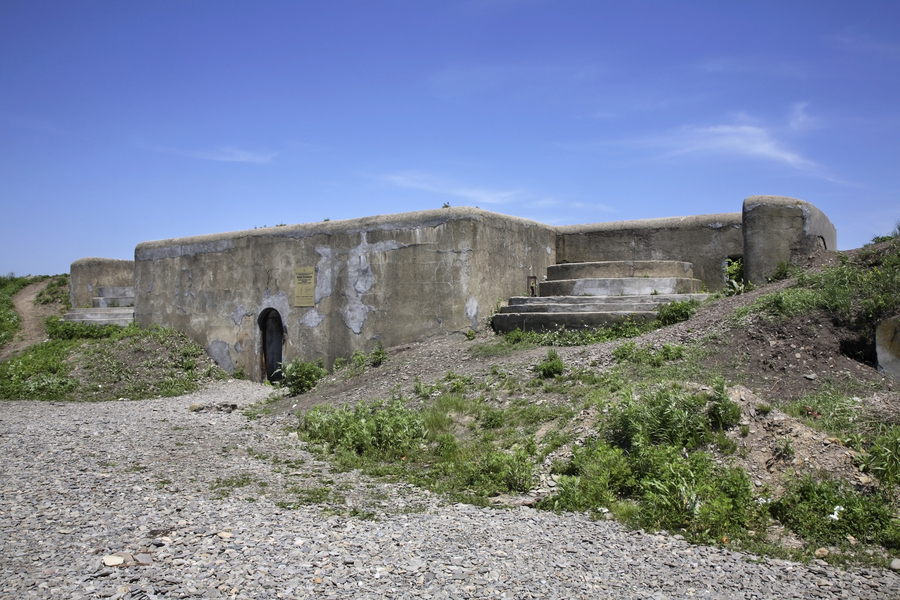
(125, 500)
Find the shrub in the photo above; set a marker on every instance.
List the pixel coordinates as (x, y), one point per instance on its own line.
(595, 478)
(358, 360)
(722, 411)
(57, 329)
(883, 460)
(300, 377)
(374, 429)
(733, 272)
(692, 493)
(378, 355)
(676, 312)
(664, 416)
(630, 352)
(827, 511)
(551, 366)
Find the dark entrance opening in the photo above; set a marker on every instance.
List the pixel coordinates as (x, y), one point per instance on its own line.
(272, 329)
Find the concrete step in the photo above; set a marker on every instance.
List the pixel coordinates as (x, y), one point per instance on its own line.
(116, 292)
(101, 316)
(112, 301)
(589, 300)
(552, 307)
(504, 323)
(620, 286)
(621, 268)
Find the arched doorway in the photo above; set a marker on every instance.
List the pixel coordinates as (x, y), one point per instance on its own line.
(272, 333)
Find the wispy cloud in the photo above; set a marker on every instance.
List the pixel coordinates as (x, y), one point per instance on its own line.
(421, 181)
(799, 119)
(728, 65)
(222, 154)
(38, 125)
(739, 139)
(864, 43)
(513, 82)
(590, 206)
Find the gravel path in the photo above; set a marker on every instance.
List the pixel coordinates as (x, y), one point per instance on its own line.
(186, 501)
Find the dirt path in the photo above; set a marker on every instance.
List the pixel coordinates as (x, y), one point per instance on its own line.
(33, 317)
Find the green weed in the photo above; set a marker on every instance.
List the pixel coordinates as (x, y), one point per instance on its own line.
(676, 312)
(300, 377)
(827, 511)
(630, 352)
(551, 366)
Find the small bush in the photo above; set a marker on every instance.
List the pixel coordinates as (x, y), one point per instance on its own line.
(300, 377)
(667, 416)
(722, 411)
(551, 366)
(595, 478)
(826, 512)
(378, 355)
(676, 312)
(733, 272)
(630, 352)
(57, 329)
(692, 493)
(883, 460)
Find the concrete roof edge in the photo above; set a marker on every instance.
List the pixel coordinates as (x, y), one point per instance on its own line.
(751, 201)
(720, 219)
(422, 218)
(93, 259)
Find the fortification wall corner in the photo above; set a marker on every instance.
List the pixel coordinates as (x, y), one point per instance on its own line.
(779, 229)
(86, 275)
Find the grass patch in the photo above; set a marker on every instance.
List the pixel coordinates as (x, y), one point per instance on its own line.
(826, 511)
(57, 290)
(102, 363)
(856, 294)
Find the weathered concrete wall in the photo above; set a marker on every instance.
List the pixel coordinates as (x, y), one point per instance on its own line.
(704, 240)
(887, 346)
(88, 274)
(780, 229)
(396, 278)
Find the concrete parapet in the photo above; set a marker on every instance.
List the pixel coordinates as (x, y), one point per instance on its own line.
(779, 229)
(703, 240)
(88, 275)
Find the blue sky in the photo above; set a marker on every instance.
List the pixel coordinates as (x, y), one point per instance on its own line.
(123, 122)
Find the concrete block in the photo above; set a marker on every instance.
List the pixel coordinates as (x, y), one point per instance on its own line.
(88, 275)
(887, 346)
(779, 229)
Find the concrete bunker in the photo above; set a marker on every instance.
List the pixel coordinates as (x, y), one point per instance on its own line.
(272, 335)
(324, 290)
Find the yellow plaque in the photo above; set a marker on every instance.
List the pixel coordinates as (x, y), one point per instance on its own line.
(305, 286)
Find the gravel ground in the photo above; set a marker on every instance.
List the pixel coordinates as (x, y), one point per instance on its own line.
(186, 502)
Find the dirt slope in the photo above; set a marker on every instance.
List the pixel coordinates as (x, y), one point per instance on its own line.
(33, 317)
